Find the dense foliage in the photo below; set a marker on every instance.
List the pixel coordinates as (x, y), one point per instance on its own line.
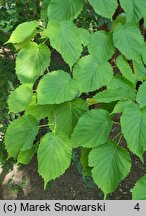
(106, 58)
(12, 13)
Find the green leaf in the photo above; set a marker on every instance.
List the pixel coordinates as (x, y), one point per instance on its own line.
(24, 157)
(145, 21)
(65, 116)
(108, 106)
(20, 135)
(23, 31)
(139, 190)
(64, 9)
(105, 8)
(139, 70)
(119, 81)
(84, 161)
(32, 61)
(121, 18)
(134, 9)
(133, 123)
(44, 9)
(92, 129)
(111, 95)
(65, 88)
(36, 110)
(65, 38)
(56, 148)
(125, 69)
(85, 36)
(144, 54)
(111, 164)
(128, 39)
(141, 95)
(91, 74)
(20, 98)
(121, 105)
(101, 45)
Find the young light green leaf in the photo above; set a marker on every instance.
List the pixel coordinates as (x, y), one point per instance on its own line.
(139, 190)
(64, 9)
(128, 39)
(111, 95)
(32, 61)
(20, 98)
(134, 9)
(101, 45)
(65, 116)
(111, 164)
(65, 38)
(23, 31)
(91, 74)
(133, 123)
(56, 87)
(92, 129)
(20, 135)
(125, 69)
(105, 8)
(58, 149)
(141, 95)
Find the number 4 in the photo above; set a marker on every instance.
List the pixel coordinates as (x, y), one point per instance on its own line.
(137, 207)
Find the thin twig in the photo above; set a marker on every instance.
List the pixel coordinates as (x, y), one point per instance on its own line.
(45, 125)
(119, 141)
(117, 135)
(116, 122)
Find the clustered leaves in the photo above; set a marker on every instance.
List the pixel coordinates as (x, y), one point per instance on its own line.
(105, 65)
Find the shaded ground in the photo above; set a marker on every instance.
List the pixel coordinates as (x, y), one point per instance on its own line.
(69, 186)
